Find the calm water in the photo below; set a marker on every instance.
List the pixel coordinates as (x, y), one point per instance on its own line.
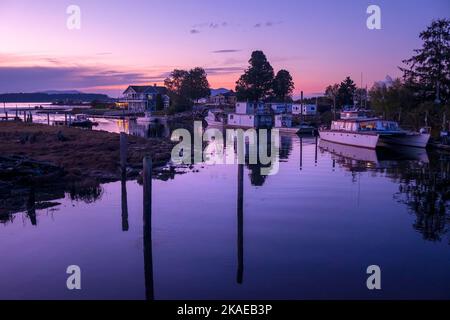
(308, 232)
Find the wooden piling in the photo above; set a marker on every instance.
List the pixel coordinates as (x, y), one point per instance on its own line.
(6, 115)
(315, 156)
(65, 118)
(240, 224)
(123, 151)
(125, 225)
(147, 225)
(301, 153)
(48, 118)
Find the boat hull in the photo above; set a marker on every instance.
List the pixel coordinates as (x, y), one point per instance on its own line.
(350, 138)
(419, 140)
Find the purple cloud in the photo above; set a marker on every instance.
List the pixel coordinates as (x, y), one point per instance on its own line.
(30, 79)
(226, 51)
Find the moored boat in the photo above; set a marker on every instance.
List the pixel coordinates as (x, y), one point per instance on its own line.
(357, 129)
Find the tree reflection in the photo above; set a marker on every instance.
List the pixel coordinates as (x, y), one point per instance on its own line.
(423, 178)
(425, 190)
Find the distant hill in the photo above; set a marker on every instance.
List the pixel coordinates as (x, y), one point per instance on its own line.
(215, 92)
(53, 96)
(61, 92)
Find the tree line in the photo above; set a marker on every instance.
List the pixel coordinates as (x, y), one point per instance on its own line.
(421, 96)
(259, 82)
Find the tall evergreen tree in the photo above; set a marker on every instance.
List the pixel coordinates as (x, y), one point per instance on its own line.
(428, 72)
(256, 83)
(346, 93)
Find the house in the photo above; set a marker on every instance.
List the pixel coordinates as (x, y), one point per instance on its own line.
(144, 98)
(250, 115)
(281, 107)
(283, 120)
(306, 109)
(223, 98)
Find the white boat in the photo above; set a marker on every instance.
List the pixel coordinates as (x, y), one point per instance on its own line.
(215, 118)
(355, 128)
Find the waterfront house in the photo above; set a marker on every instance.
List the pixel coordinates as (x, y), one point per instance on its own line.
(280, 107)
(145, 98)
(251, 115)
(306, 109)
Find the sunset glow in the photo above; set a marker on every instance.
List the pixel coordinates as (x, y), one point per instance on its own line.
(139, 42)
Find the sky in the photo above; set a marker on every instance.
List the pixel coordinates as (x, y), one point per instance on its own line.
(119, 43)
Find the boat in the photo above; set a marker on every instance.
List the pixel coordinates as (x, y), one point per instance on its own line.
(81, 120)
(356, 128)
(215, 118)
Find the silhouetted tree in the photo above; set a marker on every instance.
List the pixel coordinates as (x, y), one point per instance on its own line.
(185, 87)
(346, 92)
(283, 86)
(256, 83)
(428, 72)
(197, 84)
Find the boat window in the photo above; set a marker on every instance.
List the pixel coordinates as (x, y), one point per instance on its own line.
(367, 126)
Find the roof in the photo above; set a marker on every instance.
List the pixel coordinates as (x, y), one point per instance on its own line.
(148, 89)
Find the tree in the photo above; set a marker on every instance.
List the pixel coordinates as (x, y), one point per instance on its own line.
(197, 85)
(346, 92)
(331, 92)
(256, 83)
(392, 100)
(428, 72)
(283, 86)
(176, 82)
(185, 87)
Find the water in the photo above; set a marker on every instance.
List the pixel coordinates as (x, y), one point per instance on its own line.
(308, 232)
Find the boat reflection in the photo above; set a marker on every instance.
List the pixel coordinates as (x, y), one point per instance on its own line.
(423, 180)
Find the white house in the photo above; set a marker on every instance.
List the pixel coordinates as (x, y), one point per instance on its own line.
(145, 98)
(283, 121)
(250, 115)
(307, 109)
(281, 107)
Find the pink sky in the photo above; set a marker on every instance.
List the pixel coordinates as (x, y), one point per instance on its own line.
(133, 42)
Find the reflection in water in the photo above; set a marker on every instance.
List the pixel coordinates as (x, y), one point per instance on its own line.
(425, 189)
(124, 202)
(147, 229)
(240, 223)
(296, 231)
(423, 179)
(42, 197)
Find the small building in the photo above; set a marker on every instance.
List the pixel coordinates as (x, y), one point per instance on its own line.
(250, 107)
(306, 109)
(145, 98)
(223, 98)
(283, 121)
(281, 107)
(251, 115)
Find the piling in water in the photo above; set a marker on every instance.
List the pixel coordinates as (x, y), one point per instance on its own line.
(147, 223)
